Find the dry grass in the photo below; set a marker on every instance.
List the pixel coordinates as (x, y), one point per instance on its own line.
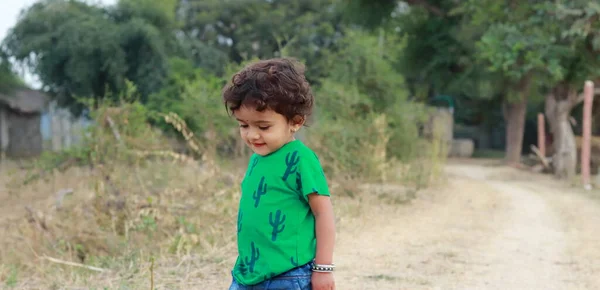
(127, 212)
(163, 209)
(100, 215)
(182, 216)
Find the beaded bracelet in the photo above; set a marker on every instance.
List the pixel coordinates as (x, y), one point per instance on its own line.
(323, 268)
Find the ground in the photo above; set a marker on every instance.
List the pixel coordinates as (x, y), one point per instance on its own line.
(489, 227)
(483, 227)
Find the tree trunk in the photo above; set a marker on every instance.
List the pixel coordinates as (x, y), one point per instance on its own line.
(565, 155)
(514, 116)
(558, 111)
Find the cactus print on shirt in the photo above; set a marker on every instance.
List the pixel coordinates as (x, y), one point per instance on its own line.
(276, 227)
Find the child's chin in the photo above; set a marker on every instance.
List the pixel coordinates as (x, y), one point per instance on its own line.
(261, 151)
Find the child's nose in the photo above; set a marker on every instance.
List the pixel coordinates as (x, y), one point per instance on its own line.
(253, 134)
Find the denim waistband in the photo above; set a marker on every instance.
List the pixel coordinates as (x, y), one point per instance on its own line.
(304, 270)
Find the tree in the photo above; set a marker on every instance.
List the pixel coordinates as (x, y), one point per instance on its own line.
(82, 50)
(244, 30)
(363, 88)
(575, 33)
(439, 56)
(8, 79)
(513, 44)
(541, 46)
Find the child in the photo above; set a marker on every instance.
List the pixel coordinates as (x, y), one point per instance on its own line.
(285, 229)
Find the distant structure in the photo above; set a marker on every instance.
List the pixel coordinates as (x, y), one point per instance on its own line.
(20, 132)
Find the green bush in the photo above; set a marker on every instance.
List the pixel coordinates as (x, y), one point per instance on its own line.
(364, 118)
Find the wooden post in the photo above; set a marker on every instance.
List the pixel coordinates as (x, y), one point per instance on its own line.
(541, 135)
(588, 97)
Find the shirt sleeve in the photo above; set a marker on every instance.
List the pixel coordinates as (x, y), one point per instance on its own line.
(310, 177)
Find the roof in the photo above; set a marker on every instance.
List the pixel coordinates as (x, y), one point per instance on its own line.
(25, 100)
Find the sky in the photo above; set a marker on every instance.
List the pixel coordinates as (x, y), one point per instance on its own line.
(9, 13)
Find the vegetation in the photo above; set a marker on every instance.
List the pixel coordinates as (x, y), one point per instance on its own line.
(158, 170)
(126, 195)
(502, 53)
(80, 50)
(156, 175)
(8, 79)
(536, 59)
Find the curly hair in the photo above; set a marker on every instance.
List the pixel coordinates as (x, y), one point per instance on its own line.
(278, 84)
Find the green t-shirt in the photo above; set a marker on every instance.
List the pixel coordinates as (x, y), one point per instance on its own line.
(276, 227)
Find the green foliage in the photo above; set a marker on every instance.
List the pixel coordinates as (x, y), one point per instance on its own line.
(518, 47)
(554, 42)
(580, 21)
(195, 96)
(119, 134)
(263, 29)
(13, 277)
(179, 63)
(438, 57)
(363, 107)
(8, 79)
(382, 89)
(364, 62)
(369, 13)
(161, 14)
(81, 50)
(198, 54)
(71, 46)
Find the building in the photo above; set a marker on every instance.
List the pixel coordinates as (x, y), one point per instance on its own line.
(20, 132)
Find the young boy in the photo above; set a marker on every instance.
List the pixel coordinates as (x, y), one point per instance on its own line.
(285, 228)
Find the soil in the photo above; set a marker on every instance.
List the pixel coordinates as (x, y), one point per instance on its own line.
(489, 227)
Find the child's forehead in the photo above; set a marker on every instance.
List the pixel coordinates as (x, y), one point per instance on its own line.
(249, 114)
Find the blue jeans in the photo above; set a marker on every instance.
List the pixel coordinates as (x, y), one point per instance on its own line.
(295, 279)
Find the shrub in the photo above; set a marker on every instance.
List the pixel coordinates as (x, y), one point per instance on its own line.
(365, 120)
(132, 194)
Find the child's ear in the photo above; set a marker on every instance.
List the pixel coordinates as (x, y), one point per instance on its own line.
(297, 122)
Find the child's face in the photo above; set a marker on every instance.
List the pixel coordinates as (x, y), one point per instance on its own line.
(264, 132)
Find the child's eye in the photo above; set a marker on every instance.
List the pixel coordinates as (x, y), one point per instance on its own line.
(243, 126)
(264, 128)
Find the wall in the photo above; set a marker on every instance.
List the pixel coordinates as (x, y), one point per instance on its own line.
(442, 119)
(25, 140)
(60, 130)
(3, 129)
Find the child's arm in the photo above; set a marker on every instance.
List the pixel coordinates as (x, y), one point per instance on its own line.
(325, 230)
(325, 227)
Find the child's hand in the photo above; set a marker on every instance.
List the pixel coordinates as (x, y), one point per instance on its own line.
(322, 281)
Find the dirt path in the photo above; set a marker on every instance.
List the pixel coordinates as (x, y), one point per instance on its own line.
(490, 228)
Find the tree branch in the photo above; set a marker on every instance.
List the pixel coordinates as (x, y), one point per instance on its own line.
(114, 129)
(581, 96)
(572, 98)
(431, 8)
(54, 260)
